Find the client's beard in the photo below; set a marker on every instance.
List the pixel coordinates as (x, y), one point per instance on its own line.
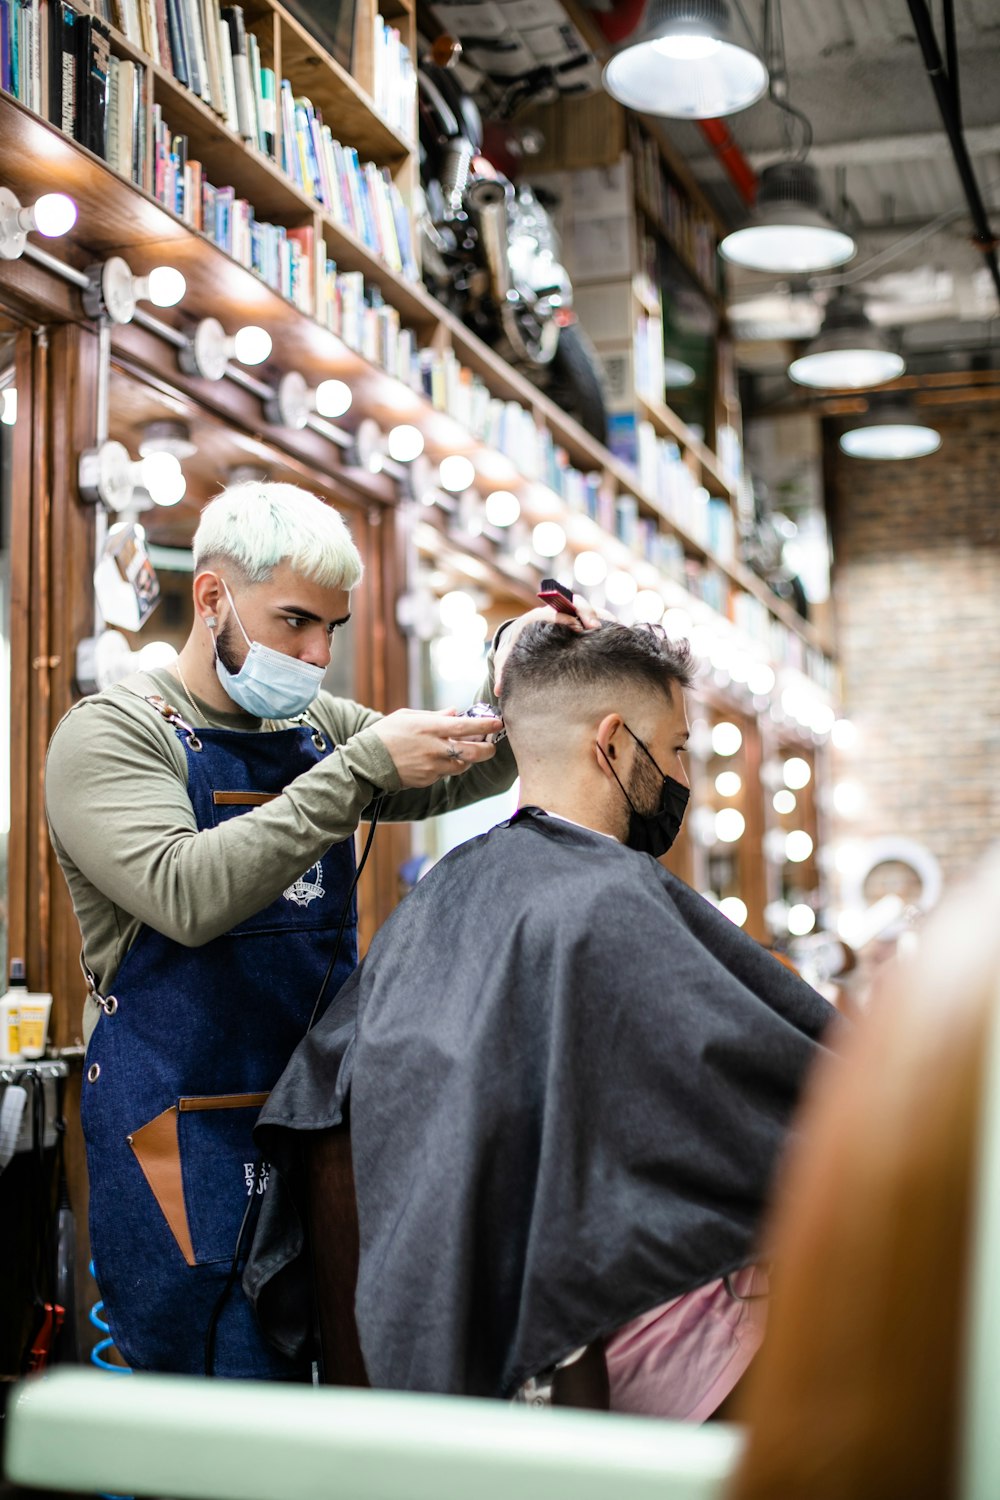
(643, 786)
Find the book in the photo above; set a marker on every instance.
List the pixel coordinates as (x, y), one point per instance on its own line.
(113, 152)
(233, 17)
(163, 56)
(267, 111)
(100, 59)
(253, 68)
(208, 28)
(228, 78)
(190, 18)
(178, 49)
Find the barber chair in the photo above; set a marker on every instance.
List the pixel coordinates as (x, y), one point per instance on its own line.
(880, 1375)
(580, 1381)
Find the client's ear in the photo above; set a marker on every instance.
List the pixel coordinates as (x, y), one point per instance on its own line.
(609, 738)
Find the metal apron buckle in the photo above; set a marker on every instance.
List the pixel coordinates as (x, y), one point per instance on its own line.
(171, 715)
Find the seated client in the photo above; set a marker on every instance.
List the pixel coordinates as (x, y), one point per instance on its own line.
(569, 1076)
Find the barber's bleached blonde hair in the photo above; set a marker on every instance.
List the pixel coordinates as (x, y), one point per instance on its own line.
(259, 526)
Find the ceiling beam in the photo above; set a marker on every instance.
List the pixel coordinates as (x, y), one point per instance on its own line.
(924, 145)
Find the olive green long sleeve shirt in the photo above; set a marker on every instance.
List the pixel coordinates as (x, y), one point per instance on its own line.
(124, 830)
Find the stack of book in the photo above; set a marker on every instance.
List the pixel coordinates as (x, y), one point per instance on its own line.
(214, 54)
(358, 196)
(284, 258)
(59, 63)
(395, 80)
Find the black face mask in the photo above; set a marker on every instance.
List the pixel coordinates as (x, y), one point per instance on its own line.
(653, 833)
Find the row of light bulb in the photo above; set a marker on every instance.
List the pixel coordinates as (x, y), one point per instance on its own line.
(798, 919)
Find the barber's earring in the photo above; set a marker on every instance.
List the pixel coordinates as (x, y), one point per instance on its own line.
(211, 621)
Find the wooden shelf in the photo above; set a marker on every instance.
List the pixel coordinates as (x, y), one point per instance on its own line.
(669, 425)
(115, 216)
(345, 106)
(683, 260)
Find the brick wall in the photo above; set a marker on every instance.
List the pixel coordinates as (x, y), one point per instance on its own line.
(917, 603)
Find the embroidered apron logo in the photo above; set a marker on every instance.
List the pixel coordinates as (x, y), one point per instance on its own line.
(259, 1174)
(302, 891)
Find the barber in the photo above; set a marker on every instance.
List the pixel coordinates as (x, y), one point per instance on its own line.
(204, 817)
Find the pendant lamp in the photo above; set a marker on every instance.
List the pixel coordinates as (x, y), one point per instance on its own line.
(789, 231)
(848, 353)
(683, 61)
(889, 431)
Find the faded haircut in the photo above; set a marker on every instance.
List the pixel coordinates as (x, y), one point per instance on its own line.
(552, 659)
(257, 527)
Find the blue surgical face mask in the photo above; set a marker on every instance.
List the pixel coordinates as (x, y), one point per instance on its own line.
(269, 685)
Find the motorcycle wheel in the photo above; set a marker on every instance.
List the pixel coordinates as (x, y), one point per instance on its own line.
(574, 382)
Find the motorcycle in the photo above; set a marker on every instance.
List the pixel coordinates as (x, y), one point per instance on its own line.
(490, 253)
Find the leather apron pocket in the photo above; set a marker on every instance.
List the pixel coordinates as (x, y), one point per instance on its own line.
(199, 1160)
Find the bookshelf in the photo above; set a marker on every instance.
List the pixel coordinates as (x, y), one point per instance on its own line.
(118, 215)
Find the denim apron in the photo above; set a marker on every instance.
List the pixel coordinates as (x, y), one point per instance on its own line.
(178, 1066)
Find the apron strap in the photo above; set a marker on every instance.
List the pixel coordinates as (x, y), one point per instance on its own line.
(171, 715)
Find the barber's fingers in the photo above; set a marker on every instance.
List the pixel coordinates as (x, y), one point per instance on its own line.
(460, 755)
(463, 727)
(590, 616)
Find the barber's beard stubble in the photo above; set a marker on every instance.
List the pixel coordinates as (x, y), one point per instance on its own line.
(225, 644)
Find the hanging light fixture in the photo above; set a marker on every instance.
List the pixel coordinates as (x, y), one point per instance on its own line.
(683, 61)
(848, 353)
(789, 230)
(889, 431)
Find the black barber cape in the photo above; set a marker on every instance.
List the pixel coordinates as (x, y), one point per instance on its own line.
(570, 1078)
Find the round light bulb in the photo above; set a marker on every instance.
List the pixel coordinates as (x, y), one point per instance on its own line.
(798, 846)
(648, 607)
(728, 783)
(848, 798)
(503, 508)
(677, 623)
(333, 398)
(620, 588)
(162, 475)
(726, 738)
(787, 248)
(155, 654)
(735, 909)
(589, 569)
(166, 286)
(251, 345)
(760, 679)
(458, 610)
(844, 734)
(822, 719)
(687, 48)
(456, 473)
(548, 539)
(800, 919)
(847, 369)
(405, 443)
(797, 772)
(730, 825)
(54, 214)
(891, 441)
(784, 802)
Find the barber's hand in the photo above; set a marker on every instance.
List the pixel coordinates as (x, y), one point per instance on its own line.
(426, 746)
(589, 619)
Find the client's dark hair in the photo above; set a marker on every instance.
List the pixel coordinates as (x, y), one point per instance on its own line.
(547, 658)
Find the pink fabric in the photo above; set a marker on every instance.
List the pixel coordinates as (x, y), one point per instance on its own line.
(682, 1358)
